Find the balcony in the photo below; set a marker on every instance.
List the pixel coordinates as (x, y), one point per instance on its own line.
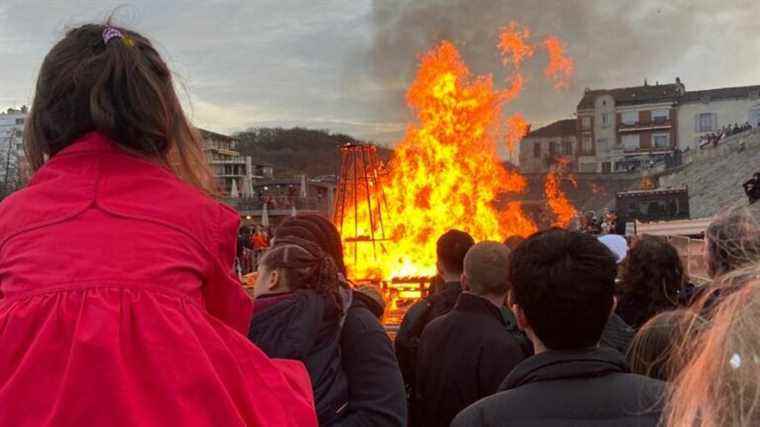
(657, 124)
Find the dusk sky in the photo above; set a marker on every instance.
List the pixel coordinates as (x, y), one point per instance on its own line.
(343, 65)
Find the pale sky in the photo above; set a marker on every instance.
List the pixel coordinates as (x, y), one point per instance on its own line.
(343, 65)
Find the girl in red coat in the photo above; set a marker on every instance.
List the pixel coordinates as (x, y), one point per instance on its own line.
(118, 306)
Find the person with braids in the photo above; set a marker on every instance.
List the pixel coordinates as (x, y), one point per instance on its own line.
(653, 279)
(298, 314)
(119, 305)
(376, 395)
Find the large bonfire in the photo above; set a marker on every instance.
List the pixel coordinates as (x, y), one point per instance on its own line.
(446, 172)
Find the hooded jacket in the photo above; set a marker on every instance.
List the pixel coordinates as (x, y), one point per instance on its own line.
(305, 325)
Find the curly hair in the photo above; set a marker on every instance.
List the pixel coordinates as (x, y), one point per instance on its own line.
(303, 265)
(652, 278)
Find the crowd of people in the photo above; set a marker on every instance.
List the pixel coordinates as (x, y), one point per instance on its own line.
(119, 304)
(714, 138)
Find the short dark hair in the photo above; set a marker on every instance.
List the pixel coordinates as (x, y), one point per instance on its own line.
(451, 248)
(564, 282)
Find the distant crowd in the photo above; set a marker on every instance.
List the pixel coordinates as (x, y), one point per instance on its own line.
(714, 138)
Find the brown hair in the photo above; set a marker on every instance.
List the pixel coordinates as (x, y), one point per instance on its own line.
(122, 89)
(652, 278)
(303, 265)
(657, 350)
(721, 383)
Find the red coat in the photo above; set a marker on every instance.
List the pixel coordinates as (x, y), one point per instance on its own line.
(118, 306)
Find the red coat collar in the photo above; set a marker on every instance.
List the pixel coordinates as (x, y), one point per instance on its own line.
(90, 142)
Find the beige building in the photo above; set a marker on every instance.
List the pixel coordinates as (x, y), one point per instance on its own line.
(233, 172)
(703, 112)
(545, 146)
(626, 128)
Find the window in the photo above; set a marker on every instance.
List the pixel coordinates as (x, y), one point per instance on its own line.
(586, 122)
(567, 148)
(631, 142)
(660, 116)
(20, 121)
(602, 144)
(661, 140)
(606, 120)
(588, 146)
(630, 117)
(553, 148)
(706, 122)
(537, 150)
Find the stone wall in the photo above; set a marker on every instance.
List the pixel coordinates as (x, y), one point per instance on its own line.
(714, 175)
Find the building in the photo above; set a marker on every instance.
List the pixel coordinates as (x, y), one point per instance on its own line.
(625, 128)
(703, 112)
(233, 172)
(13, 165)
(544, 146)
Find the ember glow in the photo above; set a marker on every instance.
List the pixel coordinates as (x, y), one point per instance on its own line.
(446, 172)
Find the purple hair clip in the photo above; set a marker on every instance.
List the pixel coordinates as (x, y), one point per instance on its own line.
(110, 33)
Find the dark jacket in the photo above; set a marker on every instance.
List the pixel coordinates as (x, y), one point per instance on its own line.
(570, 388)
(376, 390)
(416, 318)
(306, 326)
(463, 357)
(617, 334)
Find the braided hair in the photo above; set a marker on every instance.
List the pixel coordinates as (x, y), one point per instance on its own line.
(318, 230)
(303, 265)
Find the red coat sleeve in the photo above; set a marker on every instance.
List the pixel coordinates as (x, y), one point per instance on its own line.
(223, 292)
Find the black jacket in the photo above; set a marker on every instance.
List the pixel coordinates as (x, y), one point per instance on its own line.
(617, 334)
(376, 390)
(306, 326)
(563, 388)
(416, 318)
(463, 356)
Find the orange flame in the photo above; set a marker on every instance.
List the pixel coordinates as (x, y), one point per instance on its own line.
(561, 67)
(563, 209)
(444, 174)
(513, 44)
(517, 128)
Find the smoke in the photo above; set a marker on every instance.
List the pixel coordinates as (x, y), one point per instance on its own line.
(613, 44)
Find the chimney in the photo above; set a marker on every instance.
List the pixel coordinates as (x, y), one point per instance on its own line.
(681, 87)
(645, 82)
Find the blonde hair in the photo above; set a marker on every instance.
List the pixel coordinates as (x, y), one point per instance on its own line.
(658, 349)
(720, 385)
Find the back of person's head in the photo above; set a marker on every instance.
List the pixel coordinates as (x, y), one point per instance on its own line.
(512, 242)
(316, 229)
(733, 240)
(720, 384)
(653, 276)
(301, 264)
(108, 79)
(563, 281)
(486, 269)
(451, 248)
(657, 350)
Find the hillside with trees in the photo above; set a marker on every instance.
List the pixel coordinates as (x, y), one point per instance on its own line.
(298, 150)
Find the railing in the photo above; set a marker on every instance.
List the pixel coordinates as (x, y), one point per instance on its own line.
(661, 123)
(279, 203)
